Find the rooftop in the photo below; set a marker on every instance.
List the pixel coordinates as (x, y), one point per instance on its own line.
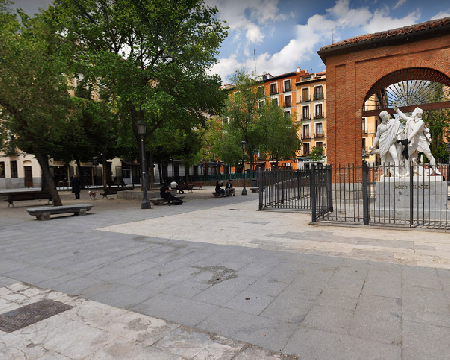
(410, 33)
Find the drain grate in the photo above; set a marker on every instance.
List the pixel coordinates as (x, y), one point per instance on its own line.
(30, 314)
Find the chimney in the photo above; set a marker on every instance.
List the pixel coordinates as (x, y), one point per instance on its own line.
(298, 69)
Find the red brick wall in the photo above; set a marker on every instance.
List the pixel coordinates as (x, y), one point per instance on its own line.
(350, 77)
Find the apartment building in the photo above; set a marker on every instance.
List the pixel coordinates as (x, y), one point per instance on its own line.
(311, 112)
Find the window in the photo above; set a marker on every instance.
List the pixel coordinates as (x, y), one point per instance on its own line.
(306, 131)
(363, 143)
(13, 168)
(260, 104)
(287, 114)
(305, 112)
(318, 92)
(275, 101)
(319, 144)
(260, 92)
(363, 123)
(318, 111)
(305, 149)
(287, 85)
(305, 94)
(2, 169)
(287, 101)
(319, 130)
(273, 88)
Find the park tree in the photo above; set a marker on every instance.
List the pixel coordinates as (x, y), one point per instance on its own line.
(242, 111)
(152, 55)
(34, 94)
(278, 133)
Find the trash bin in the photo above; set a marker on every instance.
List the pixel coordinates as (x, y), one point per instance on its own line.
(254, 183)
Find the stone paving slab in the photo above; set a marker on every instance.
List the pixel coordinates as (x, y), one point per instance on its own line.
(91, 330)
(348, 297)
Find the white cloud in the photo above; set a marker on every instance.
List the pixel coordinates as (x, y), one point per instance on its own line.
(316, 33)
(260, 13)
(399, 3)
(441, 15)
(381, 22)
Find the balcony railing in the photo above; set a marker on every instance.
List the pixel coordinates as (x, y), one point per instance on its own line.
(318, 96)
(287, 105)
(319, 135)
(306, 98)
(306, 136)
(287, 88)
(306, 118)
(318, 116)
(273, 91)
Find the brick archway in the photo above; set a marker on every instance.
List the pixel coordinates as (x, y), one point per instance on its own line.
(358, 66)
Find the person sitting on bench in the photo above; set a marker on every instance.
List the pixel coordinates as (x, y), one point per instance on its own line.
(166, 194)
(229, 188)
(218, 188)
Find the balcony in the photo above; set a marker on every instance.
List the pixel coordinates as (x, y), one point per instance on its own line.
(319, 136)
(305, 118)
(287, 88)
(287, 105)
(306, 98)
(306, 137)
(318, 116)
(318, 96)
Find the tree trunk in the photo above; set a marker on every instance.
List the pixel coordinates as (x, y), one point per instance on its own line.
(186, 172)
(104, 171)
(49, 183)
(80, 172)
(151, 174)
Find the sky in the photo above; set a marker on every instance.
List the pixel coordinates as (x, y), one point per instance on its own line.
(277, 36)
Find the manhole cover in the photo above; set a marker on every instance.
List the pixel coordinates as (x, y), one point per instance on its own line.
(30, 314)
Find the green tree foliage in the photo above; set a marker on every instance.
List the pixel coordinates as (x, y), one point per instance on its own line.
(438, 121)
(151, 55)
(242, 113)
(316, 153)
(33, 89)
(278, 133)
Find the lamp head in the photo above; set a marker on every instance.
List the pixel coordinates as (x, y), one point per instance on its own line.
(141, 127)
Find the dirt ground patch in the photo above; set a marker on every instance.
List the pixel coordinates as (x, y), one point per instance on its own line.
(19, 211)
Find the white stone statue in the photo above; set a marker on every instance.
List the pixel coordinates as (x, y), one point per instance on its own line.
(418, 136)
(386, 138)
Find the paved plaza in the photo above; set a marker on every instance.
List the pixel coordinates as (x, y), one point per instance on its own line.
(216, 279)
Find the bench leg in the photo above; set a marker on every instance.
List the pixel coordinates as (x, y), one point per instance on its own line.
(43, 216)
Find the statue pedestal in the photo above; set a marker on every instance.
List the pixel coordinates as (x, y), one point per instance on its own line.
(430, 194)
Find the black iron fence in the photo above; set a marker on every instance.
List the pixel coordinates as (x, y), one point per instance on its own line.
(416, 197)
(308, 189)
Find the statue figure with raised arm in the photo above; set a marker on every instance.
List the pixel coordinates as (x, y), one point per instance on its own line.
(386, 138)
(418, 137)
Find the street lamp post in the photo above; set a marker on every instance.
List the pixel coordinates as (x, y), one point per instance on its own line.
(141, 129)
(243, 145)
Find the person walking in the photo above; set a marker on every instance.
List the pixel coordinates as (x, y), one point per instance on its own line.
(76, 186)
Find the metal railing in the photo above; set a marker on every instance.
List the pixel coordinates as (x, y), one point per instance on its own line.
(371, 195)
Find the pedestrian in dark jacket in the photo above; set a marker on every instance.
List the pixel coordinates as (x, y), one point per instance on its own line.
(76, 186)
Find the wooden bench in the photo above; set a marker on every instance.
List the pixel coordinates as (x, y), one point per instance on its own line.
(254, 189)
(161, 201)
(27, 195)
(198, 184)
(43, 213)
(184, 187)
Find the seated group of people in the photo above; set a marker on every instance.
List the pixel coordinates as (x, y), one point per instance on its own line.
(228, 191)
